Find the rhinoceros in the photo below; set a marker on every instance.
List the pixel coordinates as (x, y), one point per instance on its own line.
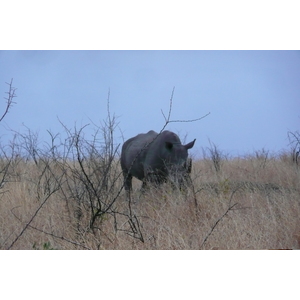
(153, 157)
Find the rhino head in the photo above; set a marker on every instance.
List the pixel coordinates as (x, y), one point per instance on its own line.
(177, 163)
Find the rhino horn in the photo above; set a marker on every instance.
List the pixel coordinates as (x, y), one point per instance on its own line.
(190, 145)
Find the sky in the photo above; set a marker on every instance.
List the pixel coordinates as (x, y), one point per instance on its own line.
(253, 97)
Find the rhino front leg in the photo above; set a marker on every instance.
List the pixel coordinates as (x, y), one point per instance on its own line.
(127, 185)
(144, 186)
(127, 181)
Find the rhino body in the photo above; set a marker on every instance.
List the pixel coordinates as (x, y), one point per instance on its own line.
(153, 157)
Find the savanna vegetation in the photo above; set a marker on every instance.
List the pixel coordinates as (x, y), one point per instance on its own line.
(68, 194)
(250, 203)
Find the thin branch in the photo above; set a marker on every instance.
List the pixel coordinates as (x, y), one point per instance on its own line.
(216, 223)
(60, 237)
(9, 99)
(188, 121)
(31, 219)
(170, 107)
(167, 119)
(51, 234)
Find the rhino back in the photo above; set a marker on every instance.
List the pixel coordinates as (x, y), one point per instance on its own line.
(134, 152)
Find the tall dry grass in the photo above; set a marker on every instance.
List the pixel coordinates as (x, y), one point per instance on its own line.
(248, 203)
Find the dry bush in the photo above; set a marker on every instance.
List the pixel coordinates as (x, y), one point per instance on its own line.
(294, 139)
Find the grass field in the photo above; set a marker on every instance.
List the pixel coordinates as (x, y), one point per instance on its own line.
(244, 203)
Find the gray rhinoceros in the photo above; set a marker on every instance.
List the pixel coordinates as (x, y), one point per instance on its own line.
(153, 157)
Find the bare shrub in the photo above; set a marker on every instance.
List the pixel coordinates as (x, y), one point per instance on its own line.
(92, 173)
(294, 139)
(262, 157)
(215, 155)
(6, 159)
(84, 173)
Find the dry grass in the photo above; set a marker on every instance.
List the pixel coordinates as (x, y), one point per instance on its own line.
(250, 203)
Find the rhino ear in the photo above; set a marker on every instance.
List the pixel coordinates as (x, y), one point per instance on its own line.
(169, 145)
(189, 145)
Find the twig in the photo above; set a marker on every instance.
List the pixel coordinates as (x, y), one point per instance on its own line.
(51, 234)
(216, 223)
(31, 219)
(167, 119)
(9, 99)
(60, 237)
(188, 121)
(170, 107)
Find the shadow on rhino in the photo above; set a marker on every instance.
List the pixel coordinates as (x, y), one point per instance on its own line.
(156, 158)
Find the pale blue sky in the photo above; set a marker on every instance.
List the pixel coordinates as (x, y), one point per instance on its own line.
(253, 96)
